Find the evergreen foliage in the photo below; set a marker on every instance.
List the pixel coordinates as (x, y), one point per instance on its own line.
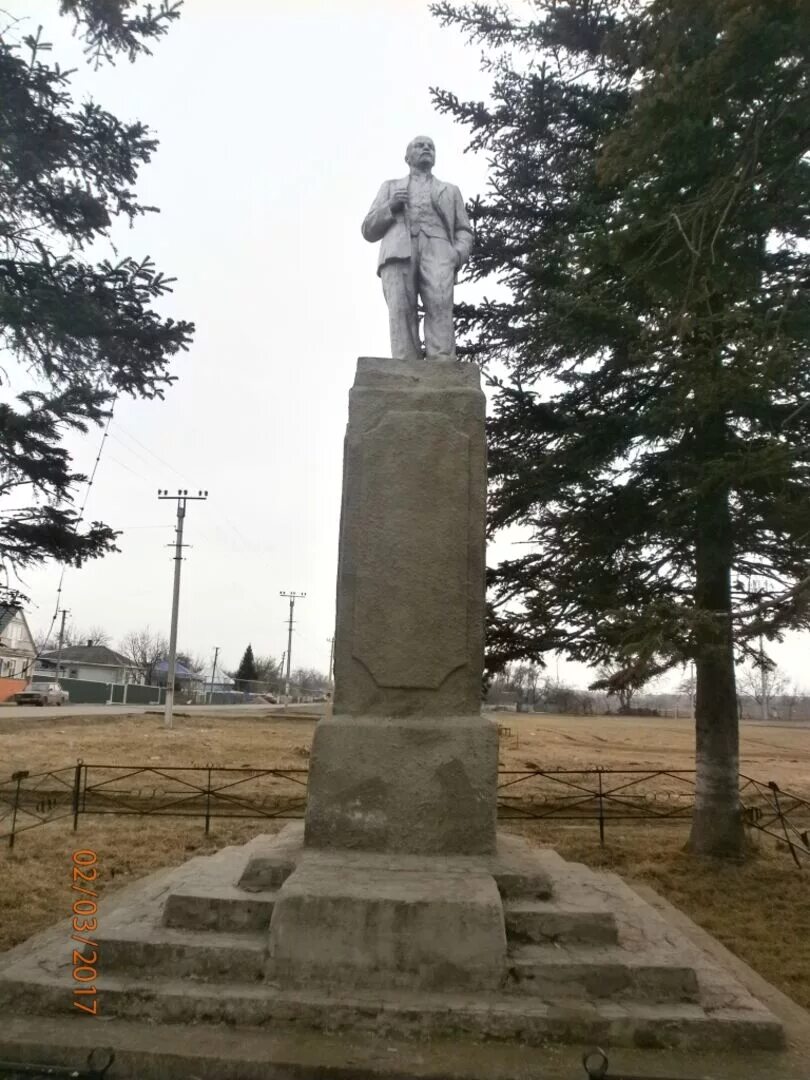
(82, 329)
(247, 673)
(648, 213)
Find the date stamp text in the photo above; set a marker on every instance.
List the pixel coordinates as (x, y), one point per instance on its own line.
(85, 923)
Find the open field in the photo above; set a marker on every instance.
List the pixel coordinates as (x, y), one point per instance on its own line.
(759, 910)
(772, 752)
(223, 739)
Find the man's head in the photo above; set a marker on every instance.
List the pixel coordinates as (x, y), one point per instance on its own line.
(421, 153)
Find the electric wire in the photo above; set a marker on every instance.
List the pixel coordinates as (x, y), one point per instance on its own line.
(88, 486)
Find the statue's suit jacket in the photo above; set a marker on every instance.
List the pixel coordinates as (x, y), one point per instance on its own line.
(394, 231)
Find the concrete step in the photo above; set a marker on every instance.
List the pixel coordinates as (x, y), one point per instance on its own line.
(218, 907)
(211, 955)
(541, 922)
(185, 1052)
(526, 1019)
(594, 972)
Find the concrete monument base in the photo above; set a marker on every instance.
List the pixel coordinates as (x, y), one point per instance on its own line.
(221, 944)
(415, 784)
(387, 921)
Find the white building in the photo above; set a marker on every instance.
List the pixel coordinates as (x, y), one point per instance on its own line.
(94, 663)
(17, 649)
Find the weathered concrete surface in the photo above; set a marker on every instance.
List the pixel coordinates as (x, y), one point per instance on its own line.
(273, 859)
(147, 1051)
(404, 785)
(410, 590)
(551, 923)
(597, 972)
(520, 869)
(620, 995)
(390, 924)
(207, 896)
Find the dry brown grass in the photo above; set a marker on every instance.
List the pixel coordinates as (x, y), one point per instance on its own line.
(759, 910)
(235, 740)
(35, 877)
(778, 753)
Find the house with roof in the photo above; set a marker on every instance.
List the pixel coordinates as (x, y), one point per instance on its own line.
(184, 677)
(17, 651)
(93, 663)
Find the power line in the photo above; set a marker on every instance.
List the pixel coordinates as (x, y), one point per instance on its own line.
(160, 460)
(240, 535)
(76, 524)
(122, 465)
(135, 453)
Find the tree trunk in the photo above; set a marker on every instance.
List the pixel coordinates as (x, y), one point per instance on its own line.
(717, 827)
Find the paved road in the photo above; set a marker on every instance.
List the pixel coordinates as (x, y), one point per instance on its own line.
(36, 712)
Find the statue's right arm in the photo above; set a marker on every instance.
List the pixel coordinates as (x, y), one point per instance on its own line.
(379, 219)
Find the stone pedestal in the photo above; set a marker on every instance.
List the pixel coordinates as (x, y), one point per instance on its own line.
(407, 766)
(410, 591)
(416, 784)
(386, 921)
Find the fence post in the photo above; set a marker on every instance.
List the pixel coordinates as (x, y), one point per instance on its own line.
(601, 810)
(775, 791)
(19, 777)
(208, 803)
(77, 787)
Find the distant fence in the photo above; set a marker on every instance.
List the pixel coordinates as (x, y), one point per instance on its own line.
(603, 796)
(87, 692)
(134, 694)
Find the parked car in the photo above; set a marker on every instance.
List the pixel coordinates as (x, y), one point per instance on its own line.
(42, 693)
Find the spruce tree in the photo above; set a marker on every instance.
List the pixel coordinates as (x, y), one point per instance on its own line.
(80, 329)
(648, 216)
(247, 673)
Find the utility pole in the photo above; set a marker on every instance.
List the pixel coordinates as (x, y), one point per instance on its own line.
(331, 641)
(213, 673)
(292, 596)
(330, 695)
(181, 498)
(61, 641)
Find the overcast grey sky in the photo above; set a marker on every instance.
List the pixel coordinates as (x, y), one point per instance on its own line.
(278, 120)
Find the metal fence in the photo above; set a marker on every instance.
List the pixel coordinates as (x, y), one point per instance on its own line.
(664, 796)
(603, 796)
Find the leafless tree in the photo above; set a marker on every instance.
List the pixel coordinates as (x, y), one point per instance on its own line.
(145, 648)
(193, 661)
(623, 682)
(687, 687)
(308, 680)
(763, 683)
(46, 641)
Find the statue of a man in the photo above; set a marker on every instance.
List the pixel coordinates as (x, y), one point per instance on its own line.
(426, 236)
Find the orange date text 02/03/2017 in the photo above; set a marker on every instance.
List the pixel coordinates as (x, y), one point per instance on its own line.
(85, 923)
